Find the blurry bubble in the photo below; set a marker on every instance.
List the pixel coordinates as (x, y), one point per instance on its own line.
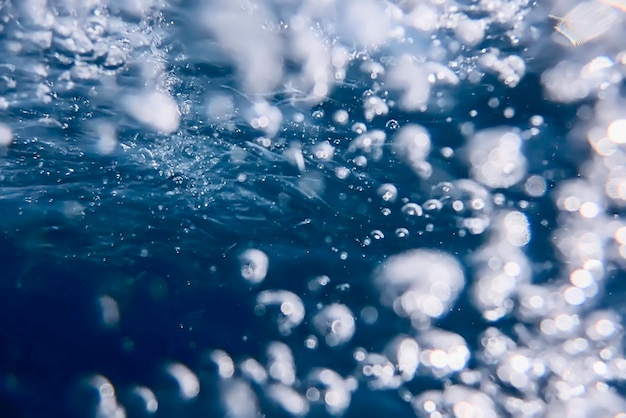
(602, 326)
(107, 138)
(188, 383)
(369, 315)
(324, 151)
(535, 186)
(146, 398)
(280, 363)
(238, 399)
(388, 192)
(374, 106)
(378, 372)
(341, 117)
(617, 131)
(253, 371)
(411, 79)
(326, 387)
(291, 401)
(109, 310)
(318, 283)
(495, 345)
(254, 265)
(156, 110)
(517, 229)
(225, 364)
(442, 352)
(467, 402)
(220, 108)
(335, 323)
(370, 142)
(404, 352)
(421, 284)
(105, 400)
(411, 143)
(290, 308)
(411, 210)
(496, 158)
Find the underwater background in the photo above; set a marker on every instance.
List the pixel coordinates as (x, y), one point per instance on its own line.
(289, 208)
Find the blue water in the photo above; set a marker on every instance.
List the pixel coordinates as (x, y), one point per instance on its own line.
(158, 225)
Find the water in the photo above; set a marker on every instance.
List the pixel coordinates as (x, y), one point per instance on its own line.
(301, 208)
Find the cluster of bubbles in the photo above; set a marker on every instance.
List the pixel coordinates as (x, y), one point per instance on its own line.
(281, 71)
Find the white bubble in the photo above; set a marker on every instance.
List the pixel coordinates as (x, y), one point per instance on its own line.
(291, 401)
(290, 306)
(327, 387)
(335, 323)
(422, 284)
(156, 110)
(6, 135)
(496, 157)
(253, 265)
(188, 383)
(411, 143)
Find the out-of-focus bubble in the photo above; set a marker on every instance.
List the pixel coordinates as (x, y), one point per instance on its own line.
(535, 186)
(421, 284)
(326, 387)
(6, 135)
(369, 315)
(378, 372)
(146, 399)
(521, 371)
(109, 311)
(603, 326)
(580, 196)
(517, 229)
(323, 151)
(253, 371)
(534, 302)
(443, 353)
(280, 363)
(387, 192)
(374, 106)
(106, 403)
(238, 399)
(496, 158)
(616, 131)
(291, 309)
(370, 142)
(220, 108)
(265, 117)
(411, 79)
(341, 117)
(335, 323)
(412, 144)
(495, 345)
(404, 353)
(254, 265)
(290, 401)
(412, 210)
(429, 404)
(107, 138)
(466, 402)
(454, 401)
(224, 363)
(156, 110)
(187, 381)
